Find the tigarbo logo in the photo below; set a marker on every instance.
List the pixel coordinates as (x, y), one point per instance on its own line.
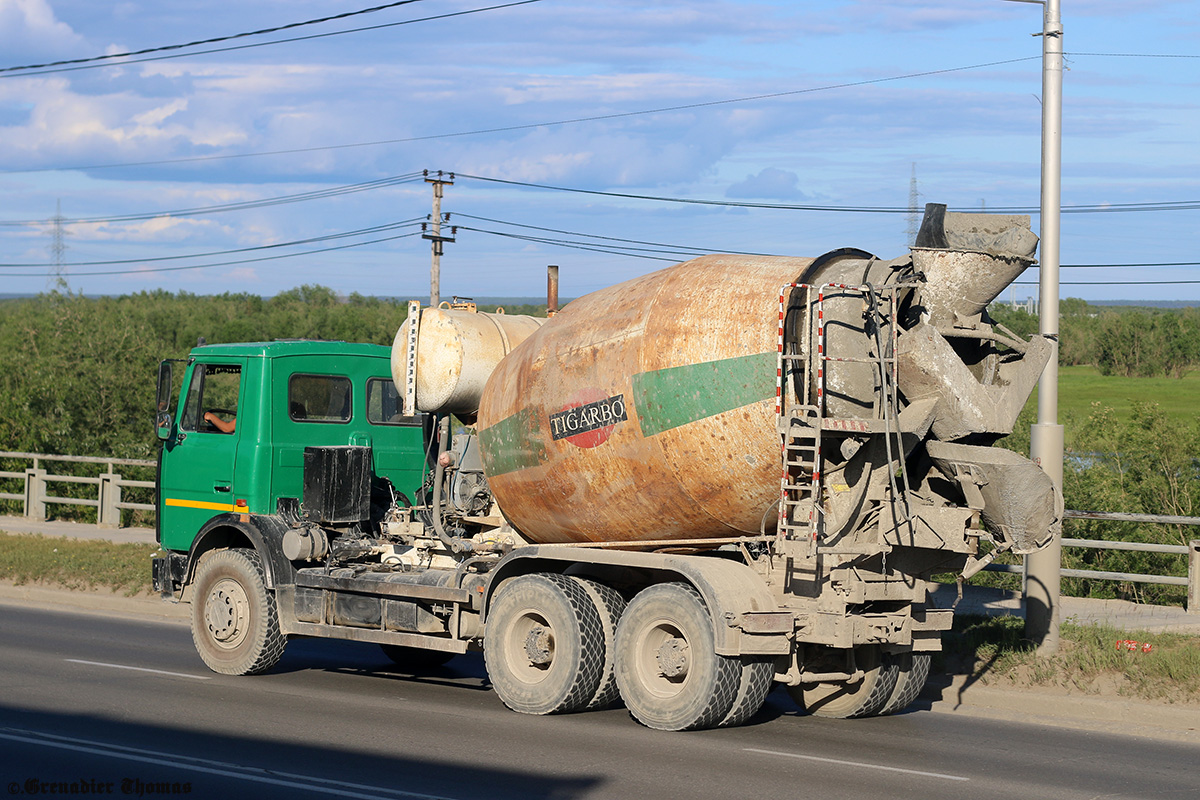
(588, 424)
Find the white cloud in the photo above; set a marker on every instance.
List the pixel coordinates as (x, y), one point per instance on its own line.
(29, 29)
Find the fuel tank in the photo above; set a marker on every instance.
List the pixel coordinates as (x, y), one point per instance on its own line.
(644, 411)
(457, 350)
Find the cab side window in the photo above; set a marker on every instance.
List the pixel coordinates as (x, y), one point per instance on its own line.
(213, 391)
(384, 405)
(319, 398)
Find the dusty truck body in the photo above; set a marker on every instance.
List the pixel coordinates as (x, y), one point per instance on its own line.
(676, 492)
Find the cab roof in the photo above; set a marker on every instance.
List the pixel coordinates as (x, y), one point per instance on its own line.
(292, 347)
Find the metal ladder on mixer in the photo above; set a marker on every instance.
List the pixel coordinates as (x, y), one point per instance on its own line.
(801, 510)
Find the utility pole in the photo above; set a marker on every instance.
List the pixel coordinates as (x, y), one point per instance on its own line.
(1043, 570)
(434, 233)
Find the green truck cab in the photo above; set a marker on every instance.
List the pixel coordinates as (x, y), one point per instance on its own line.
(231, 473)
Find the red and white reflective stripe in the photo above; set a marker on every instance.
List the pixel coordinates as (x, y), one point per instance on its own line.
(779, 357)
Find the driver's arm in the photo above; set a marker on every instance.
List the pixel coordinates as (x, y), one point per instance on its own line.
(220, 424)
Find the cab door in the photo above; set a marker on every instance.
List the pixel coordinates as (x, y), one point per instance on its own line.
(197, 481)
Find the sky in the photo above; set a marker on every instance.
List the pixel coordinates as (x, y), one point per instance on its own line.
(573, 130)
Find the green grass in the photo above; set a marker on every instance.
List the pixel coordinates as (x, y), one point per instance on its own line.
(1088, 661)
(75, 563)
(1079, 387)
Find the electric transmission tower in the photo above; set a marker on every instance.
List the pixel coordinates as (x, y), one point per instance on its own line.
(914, 202)
(57, 279)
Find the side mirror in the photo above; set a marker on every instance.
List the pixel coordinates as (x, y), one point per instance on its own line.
(162, 401)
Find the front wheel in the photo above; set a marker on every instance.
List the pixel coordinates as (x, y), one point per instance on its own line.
(235, 624)
(667, 668)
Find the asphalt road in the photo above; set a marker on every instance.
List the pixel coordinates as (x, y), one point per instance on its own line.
(109, 706)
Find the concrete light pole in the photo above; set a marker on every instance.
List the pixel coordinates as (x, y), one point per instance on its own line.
(435, 235)
(1043, 570)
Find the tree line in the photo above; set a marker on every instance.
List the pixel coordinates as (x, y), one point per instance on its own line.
(77, 373)
(1127, 342)
(77, 377)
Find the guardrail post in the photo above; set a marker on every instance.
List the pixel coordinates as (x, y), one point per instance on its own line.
(1193, 598)
(35, 493)
(109, 515)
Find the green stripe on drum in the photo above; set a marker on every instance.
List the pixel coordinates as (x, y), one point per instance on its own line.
(669, 398)
(513, 443)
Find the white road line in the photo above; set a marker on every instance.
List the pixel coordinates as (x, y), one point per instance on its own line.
(139, 669)
(236, 771)
(859, 764)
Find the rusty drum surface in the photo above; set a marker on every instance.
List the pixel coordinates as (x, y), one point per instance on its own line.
(644, 411)
(456, 352)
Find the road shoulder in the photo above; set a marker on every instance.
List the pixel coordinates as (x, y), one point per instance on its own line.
(1062, 708)
(94, 601)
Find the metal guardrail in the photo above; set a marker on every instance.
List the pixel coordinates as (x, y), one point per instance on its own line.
(1191, 551)
(108, 503)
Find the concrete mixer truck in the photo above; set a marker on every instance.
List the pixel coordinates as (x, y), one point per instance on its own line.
(675, 493)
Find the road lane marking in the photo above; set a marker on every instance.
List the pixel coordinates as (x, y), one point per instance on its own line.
(861, 764)
(139, 669)
(307, 783)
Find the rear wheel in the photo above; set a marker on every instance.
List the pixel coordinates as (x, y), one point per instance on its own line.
(669, 673)
(235, 624)
(610, 605)
(544, 646)
(755, 683)
(911, 676)
(865, 697)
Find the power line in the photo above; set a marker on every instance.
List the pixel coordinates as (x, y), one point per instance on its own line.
(1136, 55)
(326, 238)
(674, 247)
(1157, 264)
(529, 126)
(1184, 205)
(274, 41)
(222, 263)
(317, 194)
(1114, 283)
(214, 40)
(688, 251)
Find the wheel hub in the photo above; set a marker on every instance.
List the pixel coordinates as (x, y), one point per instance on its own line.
(539, 646)
(674, 658)
(225, 612)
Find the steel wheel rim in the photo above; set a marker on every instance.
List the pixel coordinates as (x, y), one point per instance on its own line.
(227, 613)
(528, 626)
(657, 639)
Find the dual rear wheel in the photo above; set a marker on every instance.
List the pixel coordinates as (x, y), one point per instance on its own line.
(557, 643)
(887, 684)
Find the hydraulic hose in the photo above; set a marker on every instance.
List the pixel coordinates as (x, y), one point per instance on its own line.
(454, 544)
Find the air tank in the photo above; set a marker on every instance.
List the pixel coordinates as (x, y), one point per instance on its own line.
(457, 349)
(644, 411)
